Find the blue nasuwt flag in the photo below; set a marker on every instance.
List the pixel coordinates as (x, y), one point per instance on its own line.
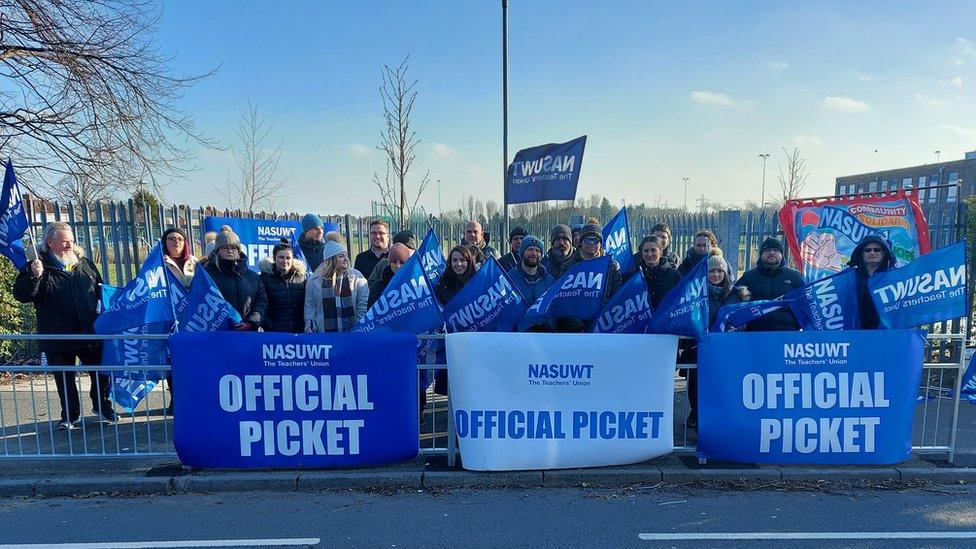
(431, 257)
(489, 302)
(733, 317)
(546, 172)
(577, 294)
(129, 387)
(109, 293)
(13, 219)
(406, 305)
(628, 311)
(827, 304)
(203, 308)
(616, 241)
(144, 300)
(684, 310)
(930, 289)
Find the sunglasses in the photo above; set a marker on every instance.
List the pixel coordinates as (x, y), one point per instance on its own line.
(875, 250)
(591, 240)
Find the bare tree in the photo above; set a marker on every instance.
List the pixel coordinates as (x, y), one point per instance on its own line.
(398, 142)
(257, 161)
(87, 95)
(793, 178)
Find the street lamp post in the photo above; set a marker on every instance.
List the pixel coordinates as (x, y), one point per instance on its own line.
(685, 179)
(762, 199)
(938, 154)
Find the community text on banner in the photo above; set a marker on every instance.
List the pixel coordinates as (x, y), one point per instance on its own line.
(811, 397)
(822, 234)
(549, 401)
(284, 400)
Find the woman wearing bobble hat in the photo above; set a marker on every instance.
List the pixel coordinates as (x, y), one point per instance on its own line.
(239, 286)
(336, 294)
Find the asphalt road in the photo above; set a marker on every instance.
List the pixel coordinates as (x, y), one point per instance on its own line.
(575, 517)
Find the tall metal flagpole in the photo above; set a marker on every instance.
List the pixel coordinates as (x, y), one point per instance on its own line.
(504, 235)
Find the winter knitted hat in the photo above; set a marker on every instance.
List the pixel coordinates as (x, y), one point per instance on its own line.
(310, 221)
(561, 231)
(717, 262)
(227, 237)
(333, 246)
(771, 244)
(530, 242)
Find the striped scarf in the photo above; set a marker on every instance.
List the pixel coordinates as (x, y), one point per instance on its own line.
(341, 314)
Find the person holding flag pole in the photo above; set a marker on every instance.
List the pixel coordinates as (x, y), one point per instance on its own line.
(872, 255)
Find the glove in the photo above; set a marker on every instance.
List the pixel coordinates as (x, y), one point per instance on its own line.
(246, 326)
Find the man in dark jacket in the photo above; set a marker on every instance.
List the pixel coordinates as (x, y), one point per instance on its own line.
(511, 260)
(65, 289)
(474, 235)
(560, 255)
(591, 246)
(399, 254)
(379, 246)
(770, 279)
(312, 241)
(871, 255)
(239, 286)
(530, 277)
(405, 237)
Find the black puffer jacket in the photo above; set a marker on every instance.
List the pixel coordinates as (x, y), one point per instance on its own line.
(286, 297)
(557, 264)
(769, 283)
(66, 303)
(659, 279)
(240, 286)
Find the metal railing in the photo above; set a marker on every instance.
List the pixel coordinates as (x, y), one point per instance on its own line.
(28, 425)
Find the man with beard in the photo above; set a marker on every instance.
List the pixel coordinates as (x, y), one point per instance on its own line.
(399, 254)
(511, 260)
(560, 255)
(65, 289)
(770, 279)
(530, 277)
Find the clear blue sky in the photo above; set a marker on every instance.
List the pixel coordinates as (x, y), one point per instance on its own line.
(663, 91)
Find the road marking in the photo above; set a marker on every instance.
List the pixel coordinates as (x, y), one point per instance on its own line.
(274, 542)
(801, 535)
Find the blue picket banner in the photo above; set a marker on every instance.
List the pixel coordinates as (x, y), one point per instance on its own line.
(577, 294)
(259, 236)
(13, 219)
(431, 257)
(628, 311)
(930, 289)
(295, 401)
(616, 241)
(144, 300)
(968, 384)
(489, 302)
(546, 172)
(203, 308)
(827, 304)
(810, 397)
(684, 310)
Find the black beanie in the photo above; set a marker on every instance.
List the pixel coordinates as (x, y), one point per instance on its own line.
(517, 231)
(561, 231)
(771, 244)
(176, 230)
(592, 229)
(406, 238)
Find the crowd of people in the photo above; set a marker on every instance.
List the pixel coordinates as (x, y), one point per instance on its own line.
(327, 292)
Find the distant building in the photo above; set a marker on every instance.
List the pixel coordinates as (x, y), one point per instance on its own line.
(920, 178)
